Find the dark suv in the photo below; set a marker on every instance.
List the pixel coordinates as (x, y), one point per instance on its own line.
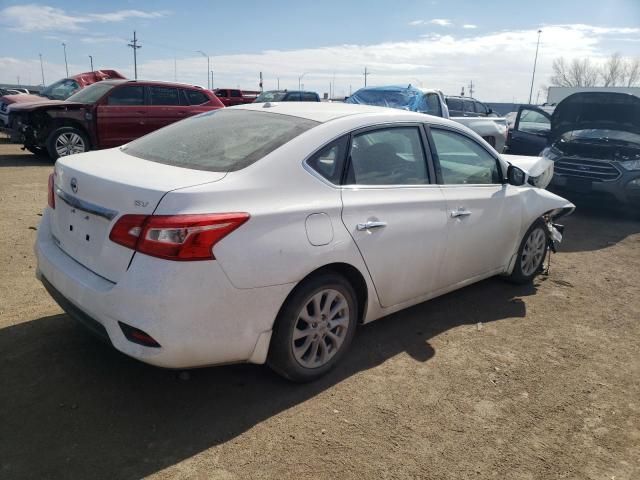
(467, 107)
(593, 138)
(287, 96)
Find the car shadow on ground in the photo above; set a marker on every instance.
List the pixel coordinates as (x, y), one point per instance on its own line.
(71, 407)
(25, 160)
(595, 225)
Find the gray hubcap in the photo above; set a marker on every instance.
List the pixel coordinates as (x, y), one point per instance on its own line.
(533, 252)
(321, 328)
(69, 143)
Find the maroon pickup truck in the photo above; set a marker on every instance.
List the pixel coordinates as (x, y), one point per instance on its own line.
(232, 96)
(105, 115)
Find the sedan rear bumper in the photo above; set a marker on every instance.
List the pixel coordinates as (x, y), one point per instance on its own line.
(190, 308)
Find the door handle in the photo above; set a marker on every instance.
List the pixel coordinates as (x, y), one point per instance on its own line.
(370, 226)
(461, 212)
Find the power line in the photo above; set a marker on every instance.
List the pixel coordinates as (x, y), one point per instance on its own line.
(135, 46)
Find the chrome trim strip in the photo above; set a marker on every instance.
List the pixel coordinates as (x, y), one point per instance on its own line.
(86, 206)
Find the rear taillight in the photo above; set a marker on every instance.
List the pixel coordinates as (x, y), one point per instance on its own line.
(51, 194)
(176, 237)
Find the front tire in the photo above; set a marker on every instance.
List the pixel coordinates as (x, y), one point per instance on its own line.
(314, 328)
(65, 141)
(531, 253)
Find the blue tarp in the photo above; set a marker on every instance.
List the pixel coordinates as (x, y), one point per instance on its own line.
(405, 98)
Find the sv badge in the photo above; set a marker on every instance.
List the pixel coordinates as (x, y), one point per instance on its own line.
(140, 203)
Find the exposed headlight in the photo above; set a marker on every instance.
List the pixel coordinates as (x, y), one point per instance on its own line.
(634, 184)
(551, 153)
(631, 164)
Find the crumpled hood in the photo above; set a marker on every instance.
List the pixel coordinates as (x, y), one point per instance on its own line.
(12, 99)
(26, 107)
(596, 111)
(538, 169)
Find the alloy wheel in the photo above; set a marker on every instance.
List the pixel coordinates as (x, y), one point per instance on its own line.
(533, 252)
(69, 143)
(321, 328)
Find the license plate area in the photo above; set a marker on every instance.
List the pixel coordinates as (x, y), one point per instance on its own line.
(80, 233)
(583, 185)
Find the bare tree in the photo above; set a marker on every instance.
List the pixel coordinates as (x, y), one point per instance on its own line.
(578, 73)
(632, 72)
(614, 71)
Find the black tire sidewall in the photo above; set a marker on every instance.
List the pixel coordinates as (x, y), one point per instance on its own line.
(53, 136)
(517, 276)
(281, 357)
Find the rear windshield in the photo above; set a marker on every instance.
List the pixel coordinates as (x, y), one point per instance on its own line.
(219, 141)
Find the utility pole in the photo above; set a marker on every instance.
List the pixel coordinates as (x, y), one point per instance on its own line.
(135, 46)
(211, 79)
(208, 68)
(175, 69)
(91, 59)
(64, 47)
(41, 68)
(261, 81)
(366, 74)
(300, 80)
(278, 88)
(533, 75)
(471, 89)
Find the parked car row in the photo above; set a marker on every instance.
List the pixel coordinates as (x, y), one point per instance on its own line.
(433, 102)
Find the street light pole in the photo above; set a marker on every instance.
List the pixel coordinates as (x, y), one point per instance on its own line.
(41, 68)
(91, 58)
(208, 68)
(300, 80)
(66, 66)
(533, 75)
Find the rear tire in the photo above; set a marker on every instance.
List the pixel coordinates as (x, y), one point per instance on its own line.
(314, 328)
(531, 253)
(65, 141)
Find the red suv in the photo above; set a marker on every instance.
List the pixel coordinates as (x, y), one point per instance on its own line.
(104, 115)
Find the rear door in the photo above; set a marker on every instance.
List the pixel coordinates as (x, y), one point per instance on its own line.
(393, 211)
(165, 106)
(121, 116)
(530, 133)
(483, 218)
(235, 97)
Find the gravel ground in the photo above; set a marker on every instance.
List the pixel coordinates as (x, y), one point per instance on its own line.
(494, 381)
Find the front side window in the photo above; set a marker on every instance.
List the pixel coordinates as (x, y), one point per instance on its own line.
(534, 122)
(91, 94)
(454, 104)
(129, 95)
(309, 97)
(164, 96)
(463, 161)
(236, 94)
(390, 156)
(329, 161)
(292, 97)
(468, 106)
(221, 93)
(480, 108)
(430, 104)
(219, 141)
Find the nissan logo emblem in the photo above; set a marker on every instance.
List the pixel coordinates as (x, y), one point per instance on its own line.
(74, 185)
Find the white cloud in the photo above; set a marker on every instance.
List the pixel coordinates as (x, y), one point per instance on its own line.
(33, 17)
(415, 23)
(469, 26)
(499, 63)
(442, 22)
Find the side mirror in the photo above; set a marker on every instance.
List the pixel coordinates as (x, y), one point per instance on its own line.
(516, 176)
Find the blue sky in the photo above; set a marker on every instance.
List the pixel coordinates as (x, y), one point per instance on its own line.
(435, 43)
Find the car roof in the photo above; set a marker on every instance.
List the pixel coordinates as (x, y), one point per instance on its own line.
(150, 82)
(325, 112)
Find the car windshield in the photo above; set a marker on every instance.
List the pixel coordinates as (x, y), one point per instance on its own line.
(92, 93)
(60, 90)
(270, 97)
(219, 141)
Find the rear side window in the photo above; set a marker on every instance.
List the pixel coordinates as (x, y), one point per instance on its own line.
(292, 97)
(309, 97)
(219, 141)
(164, 96)
(390, 156)
(221, 93)
(454, 104)
(129, 95)
(329, 162)
(196, 98)
(236, 94)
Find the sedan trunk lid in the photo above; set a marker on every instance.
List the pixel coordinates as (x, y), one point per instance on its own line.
(93, 190)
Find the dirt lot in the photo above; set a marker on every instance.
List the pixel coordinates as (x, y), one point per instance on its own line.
(491, 382)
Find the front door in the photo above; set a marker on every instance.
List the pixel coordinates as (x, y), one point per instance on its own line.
(394, 213)
(530, 132)
(481, 209)
(121, 116)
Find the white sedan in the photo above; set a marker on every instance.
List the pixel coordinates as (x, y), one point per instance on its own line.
(267, 232)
